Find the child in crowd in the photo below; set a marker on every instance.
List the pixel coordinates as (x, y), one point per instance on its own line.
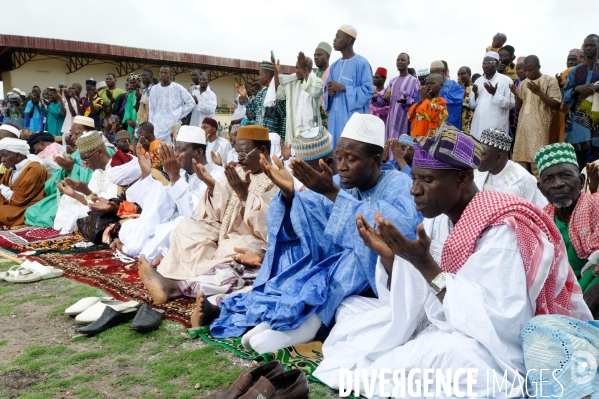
(428, 113)
(150, 143)
(497, 43)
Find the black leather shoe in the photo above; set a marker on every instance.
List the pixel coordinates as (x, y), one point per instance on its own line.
(147, 319)
(109, 318)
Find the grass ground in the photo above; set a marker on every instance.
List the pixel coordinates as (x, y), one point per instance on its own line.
(41, 356)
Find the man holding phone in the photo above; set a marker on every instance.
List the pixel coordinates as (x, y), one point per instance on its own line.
(34, 111)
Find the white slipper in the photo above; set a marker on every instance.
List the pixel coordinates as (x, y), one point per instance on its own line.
(18, 274)
(94, 312)
(83, 304)
(44, 271)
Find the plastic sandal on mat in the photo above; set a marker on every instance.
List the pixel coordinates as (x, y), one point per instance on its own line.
(122, 257)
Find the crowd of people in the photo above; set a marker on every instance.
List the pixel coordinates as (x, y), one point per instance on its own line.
(423, 223)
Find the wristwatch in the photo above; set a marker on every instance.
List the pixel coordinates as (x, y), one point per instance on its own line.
(438, 283)
(242, 203)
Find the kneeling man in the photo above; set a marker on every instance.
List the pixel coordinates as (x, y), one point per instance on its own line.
(23, 183)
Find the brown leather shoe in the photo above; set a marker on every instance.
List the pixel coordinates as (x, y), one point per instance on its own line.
(291, 384)
(248, 378)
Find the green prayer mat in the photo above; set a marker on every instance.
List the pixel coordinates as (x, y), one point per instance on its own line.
(305, 357)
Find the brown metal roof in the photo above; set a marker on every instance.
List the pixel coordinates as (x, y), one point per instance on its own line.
(121, 53)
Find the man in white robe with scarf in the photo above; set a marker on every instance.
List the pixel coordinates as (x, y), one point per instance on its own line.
(456, 298)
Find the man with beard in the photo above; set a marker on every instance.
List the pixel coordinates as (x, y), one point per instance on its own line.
(575, 213)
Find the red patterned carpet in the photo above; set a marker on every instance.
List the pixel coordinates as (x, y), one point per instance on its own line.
(101, 269)
(42, 239)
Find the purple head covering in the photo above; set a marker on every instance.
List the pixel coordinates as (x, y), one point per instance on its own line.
(448, 149)
(575, 51)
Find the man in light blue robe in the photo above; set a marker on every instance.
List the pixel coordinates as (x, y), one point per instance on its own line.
(453, 94)
(349, 88)
(315, 257)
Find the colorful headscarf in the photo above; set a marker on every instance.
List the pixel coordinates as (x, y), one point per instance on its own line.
(554, 154)
(448, 149)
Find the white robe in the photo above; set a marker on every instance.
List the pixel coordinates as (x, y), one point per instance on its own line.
(168, 105)
(205, 108)
(69, 209)
(513, 179)
(163, 207)
(221, 146)
(491, 111)
(477, 326)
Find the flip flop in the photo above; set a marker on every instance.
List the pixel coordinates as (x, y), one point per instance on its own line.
(94, 312)
(19, 274)
(83, 304)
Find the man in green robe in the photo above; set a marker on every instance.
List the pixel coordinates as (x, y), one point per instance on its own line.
(575, 213)
(42, 213)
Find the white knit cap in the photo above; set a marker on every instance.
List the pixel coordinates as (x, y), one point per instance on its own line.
(349, 30)
(14, 145)
(11, 129)
(365, 128)
(492, 54)
(191, 134)
(85, 121)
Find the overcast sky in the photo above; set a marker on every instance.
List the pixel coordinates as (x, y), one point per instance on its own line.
(456, 31)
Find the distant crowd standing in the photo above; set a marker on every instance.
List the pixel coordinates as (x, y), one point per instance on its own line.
(425, 222)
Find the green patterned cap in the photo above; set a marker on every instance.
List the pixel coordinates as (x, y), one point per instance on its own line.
(89, 142)
(554, 154)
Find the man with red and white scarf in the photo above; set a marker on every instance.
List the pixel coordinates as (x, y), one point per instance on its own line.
(575, 213)
(484, 264)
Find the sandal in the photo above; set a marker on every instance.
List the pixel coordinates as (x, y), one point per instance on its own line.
(19, 274)
(122, 257)
(45, 271)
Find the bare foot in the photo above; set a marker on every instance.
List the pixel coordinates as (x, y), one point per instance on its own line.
(162, 289)
(204, 312)
(157, 261)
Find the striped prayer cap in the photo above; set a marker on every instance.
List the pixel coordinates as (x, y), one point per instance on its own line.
(267, 65)
(554, 154)
(309, 146)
